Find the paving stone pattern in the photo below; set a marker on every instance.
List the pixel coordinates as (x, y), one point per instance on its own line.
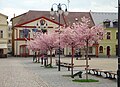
(22, 72)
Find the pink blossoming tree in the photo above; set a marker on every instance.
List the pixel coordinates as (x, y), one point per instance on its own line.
(90, 35)
(47, 42)
(82, 35)
(70, 38)
(76, 36)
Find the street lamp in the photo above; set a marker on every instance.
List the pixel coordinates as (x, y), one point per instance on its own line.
(59, 12)
(118, 71)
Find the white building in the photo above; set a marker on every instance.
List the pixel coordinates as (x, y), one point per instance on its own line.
(45, 21)
(3, 35)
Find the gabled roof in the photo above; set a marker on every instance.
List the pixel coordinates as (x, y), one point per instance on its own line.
(16, 19)
(4, 15)
(73, 16)
(100, 17)
(34, 15)
(22, 24)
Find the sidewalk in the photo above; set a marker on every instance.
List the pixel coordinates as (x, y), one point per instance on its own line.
(22, 72)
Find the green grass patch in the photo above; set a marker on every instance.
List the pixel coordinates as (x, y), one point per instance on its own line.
(85, 80)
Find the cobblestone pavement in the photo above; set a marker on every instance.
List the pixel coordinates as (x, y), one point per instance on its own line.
(22, 72)
(13, 73)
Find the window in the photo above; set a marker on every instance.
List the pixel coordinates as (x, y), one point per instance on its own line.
(9, 49)
(9, 35)
(1, 34)
(106, 23)
(101, 49)
(116, 35)
(115, 23)
(21, 34)
(9, 41)
(24, 33)
(90, 49)
(101, 34)
(44, 31)
(108, 35)
(1, 51)
(61, 51)
(9, 29)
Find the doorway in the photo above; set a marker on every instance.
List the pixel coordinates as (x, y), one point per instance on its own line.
(108, 51)
(24, 52)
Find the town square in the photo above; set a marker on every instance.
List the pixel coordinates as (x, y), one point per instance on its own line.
(60, 43)
(22, 72)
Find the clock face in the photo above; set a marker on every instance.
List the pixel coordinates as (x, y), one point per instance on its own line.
(42, 21)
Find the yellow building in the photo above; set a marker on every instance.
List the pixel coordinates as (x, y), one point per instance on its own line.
(3, 35)
(109, 45)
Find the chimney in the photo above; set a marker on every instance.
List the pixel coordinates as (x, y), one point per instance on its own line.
(14, 14)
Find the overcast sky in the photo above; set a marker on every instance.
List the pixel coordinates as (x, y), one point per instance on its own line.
(17, 7)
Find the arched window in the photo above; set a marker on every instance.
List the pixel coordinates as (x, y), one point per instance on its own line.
(101, 49)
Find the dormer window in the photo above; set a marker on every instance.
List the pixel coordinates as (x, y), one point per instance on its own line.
(115, 23)
(106, 23)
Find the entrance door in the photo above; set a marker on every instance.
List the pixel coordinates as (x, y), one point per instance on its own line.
(24, 52)
(108, 51)
(1, 52)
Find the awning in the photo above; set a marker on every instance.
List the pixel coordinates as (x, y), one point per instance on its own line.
(3, 46)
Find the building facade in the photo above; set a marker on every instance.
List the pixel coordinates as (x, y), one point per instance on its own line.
(45, 22)
(3, 35)
(109, 45)
(9, 39)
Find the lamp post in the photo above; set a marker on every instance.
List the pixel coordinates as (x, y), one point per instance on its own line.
(59, 12)
(118, 71)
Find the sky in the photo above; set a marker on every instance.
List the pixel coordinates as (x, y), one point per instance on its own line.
(17, 7)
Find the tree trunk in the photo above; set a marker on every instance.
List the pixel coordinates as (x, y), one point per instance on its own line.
(72, 61)
(50, 57)
(87, 60)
